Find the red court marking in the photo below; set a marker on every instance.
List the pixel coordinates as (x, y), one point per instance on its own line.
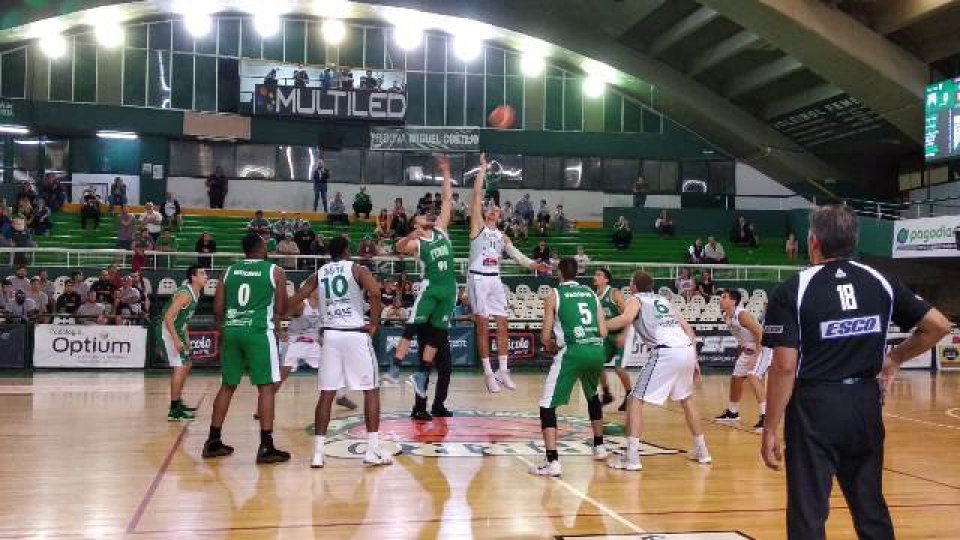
(142, 507)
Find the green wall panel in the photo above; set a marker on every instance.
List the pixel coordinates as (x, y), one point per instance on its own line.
(135, 77)
(415, 93)
(136, 36)
(229, 39)
(181, 87)
(373, 50)
(495, 61)
(533, 105)
(593, 114)
(273, 47)
(613, 103)
(109, 76)
(158, 78)
(249, 39)
(474, 103)
(14, 73)
(294, 36)
(85, 74)
(514, 97)
(455, 105)
(154, 150)
(632, 117)
(316, 50)
(435, 96)
(553, 104)
(182, 40)
(351, 50)
(208, 44)
(160, 36)
(94, 155)
(61, 76)
(652, 122)
(205, 75)
(572, 103)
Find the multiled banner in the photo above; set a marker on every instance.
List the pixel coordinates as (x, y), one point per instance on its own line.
(352, 104)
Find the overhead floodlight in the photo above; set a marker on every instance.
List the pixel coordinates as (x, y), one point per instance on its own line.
(333, 31)
(335, 9)
(109, 35)
(266, 24)
(532, 64)
(53, 45)
(31, 142)
(196, 15)
(593, 87)
(109, 134)
(13, 130)
(599, 70)
(408, 36)
(467, 47)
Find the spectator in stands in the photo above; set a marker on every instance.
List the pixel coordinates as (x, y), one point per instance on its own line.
(20, 281)
(713, 252)
(27, 195)
(139, 259)
(462, 307)
(46, 285)
(118, 194)
(346, 79)
(622, 235)
(326, 79)
(367, 249)
(6, 292)
(79, 284)
(20, 237)
(130, 303)
(554, 263)
(115, 278)
(792, 247)
(362, 204)
(92, 311)
(382, 229)
(152, 221)
(281, 227)
(338, 211)
(560, 223)
(171, 213)
(399, 222)
(22, 308)
(318, 246)
(695, 253)
(40, 222)
(395, 87)
(300, 77)
(303, 236)
(425, 204)
(321, 176)
(286, 246)
(685, 285)
(70, 300)
(39, 297)
(542, 252)
(383, 248)
(126, 229)
(258, 224)
(168, 242)
(217, 188)
(518, 227)
(51, 190)
(388, 293)
(543, 218)
(640, 193)
(205, 244)
(141, 285)
(743, 234)
(146, 241)
(459, 210)
(705, 285)
(6, 228)
(582, 261)
(104, 288)
(90, 209)
(270, 79)
(405, 289)
(524, 209)
(664, 225)
(395, 311)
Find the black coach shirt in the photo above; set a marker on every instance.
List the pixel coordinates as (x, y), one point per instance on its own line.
(836, 316)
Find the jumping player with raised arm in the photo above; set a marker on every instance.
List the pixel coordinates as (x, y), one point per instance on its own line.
(487, 297)
(672, 370)
(175, 343)
(573, 316)
(612, 302)
(248, 304)
(753, 361)
(347, 357)
(434, 305)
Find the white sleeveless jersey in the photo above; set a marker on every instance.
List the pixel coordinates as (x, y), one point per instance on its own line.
(486, 250)
(308, 323)
(657, 325)
(341, 297)
(744, 337)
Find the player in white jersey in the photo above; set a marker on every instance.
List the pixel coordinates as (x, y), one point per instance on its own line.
(753, 361)
(672, 370)
(487, 297)
(347, 357)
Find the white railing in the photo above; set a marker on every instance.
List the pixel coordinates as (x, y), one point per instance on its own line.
(161, 260)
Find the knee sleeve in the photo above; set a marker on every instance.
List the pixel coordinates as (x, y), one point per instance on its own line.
(548, 417)
(595, 408)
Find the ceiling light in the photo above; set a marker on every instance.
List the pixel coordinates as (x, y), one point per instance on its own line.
(108, 134)
(198, 24)
(407, 36)
(599, 70)
(32, 142)
(467, 47)
(333, 31)
(53, 45)
(14, 130)
(337, 9)
(532, 64)
(266, 24)
(109, 34)
(593, 86)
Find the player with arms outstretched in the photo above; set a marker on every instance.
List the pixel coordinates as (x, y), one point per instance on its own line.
(487, 297)
(247, 306)
(753, 361)
(175, 343)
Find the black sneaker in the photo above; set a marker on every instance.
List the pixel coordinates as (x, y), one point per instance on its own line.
(623, 406)
(728, 416)
(215, 448)
(440, 412)
(421, 415)
(606, 399)
(188, 409)
(269, 454)
(759, 424)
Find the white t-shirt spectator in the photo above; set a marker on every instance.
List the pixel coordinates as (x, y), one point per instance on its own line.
(582, 261)
(153, 222)
(25, 310)
(393, 313)
(714, 252)
(90, 311)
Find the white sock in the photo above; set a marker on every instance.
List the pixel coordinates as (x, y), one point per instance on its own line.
(733, 406)
(487, 370)
(318, 442)
(633, 448)
(699, 441)
(373, 440)
(503, 363)
(763, 407)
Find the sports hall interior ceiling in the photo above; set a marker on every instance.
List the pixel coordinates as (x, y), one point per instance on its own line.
(824, 93)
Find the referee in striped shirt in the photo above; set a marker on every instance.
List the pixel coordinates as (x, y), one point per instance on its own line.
(828, 327)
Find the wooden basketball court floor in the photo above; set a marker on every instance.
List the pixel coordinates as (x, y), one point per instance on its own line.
(91, 455)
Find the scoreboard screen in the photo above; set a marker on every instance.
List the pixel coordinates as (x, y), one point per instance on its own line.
(942, 120)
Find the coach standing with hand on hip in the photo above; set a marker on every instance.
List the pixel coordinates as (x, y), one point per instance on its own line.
(321, 175)
(828, 327)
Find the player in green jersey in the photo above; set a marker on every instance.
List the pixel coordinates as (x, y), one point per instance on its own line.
(175, 344)
(572, 314)
(612, 302)
(249, 302)
(434, 306)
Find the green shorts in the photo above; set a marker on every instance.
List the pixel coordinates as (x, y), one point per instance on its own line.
(252, 352)
(611, 351)
(573, 363)
(435, 305)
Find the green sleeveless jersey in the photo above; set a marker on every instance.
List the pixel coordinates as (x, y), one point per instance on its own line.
(182, 318)
(248, 292)
(436, 255)
(575, 322)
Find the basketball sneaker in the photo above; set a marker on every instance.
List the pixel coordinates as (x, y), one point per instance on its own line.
(503, 377)
(269, 454)
(758, 427)
(440, 412)
(624, 463)
(607, 399)
(493, 386)
(215, 448)
(376, 457)
(188, 409)
(421, 415)
(728, 416)
(701, 455)
(419, 383)
(179, 414)
(547, 468)
(392, 376)
(317, 461)
(346, 403)
(600, 453)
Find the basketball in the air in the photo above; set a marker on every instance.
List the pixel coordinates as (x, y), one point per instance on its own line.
(502, 117)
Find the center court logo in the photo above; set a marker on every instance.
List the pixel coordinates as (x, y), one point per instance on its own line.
(469, 434)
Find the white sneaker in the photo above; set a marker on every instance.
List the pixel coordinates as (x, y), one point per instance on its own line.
(547, 468)
(624, 464)
(700, 455)
(492, 385)
(374, 458)
(317, 461)
(600, 453)
(503, 377)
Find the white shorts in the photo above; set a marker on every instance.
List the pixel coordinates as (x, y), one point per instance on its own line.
(347, 360)
(487, 297)
(174, 358)
(668, 373)
(743, 368)
(307, 352)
